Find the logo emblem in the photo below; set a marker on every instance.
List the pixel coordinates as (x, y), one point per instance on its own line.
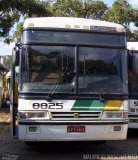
(76, 115)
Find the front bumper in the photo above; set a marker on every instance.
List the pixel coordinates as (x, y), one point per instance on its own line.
(57, 131)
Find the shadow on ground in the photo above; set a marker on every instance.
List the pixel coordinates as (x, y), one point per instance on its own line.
(132, 133)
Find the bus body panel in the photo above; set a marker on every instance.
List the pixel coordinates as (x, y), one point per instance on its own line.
(72, 105)
(59, 133)
(55, 129)
(133, 113)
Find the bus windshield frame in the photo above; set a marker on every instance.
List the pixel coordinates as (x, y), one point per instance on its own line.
(68, 66)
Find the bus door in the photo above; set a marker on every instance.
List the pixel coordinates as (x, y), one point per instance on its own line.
(14, 91)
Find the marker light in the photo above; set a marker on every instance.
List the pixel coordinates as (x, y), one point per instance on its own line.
(114, 115)
(31, 24)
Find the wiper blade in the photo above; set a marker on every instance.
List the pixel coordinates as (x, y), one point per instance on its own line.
(99, 91)
(55, 86)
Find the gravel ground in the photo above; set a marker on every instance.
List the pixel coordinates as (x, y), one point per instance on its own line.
(11, 147)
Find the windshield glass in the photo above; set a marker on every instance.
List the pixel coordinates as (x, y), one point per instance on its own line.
(100, 70)
(72, 37)
(133, 73)
(44, 66)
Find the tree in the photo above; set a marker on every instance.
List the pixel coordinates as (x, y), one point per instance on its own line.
(7, 61)
(133, 37)
(79, 8)
(123, 13)
(17, 33)
(11, 10)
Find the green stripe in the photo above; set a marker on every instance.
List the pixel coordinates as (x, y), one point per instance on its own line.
(97, 105)
(82, 105)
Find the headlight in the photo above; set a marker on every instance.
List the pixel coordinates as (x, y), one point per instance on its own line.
(34, 115)
(114, 115)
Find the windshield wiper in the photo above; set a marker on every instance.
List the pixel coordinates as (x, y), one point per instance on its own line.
(55, 86)
(99, 91)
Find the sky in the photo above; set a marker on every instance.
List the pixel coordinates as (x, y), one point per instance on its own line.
(7, 49)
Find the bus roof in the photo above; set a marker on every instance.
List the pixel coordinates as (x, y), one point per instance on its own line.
(132, 45)
(72, 23)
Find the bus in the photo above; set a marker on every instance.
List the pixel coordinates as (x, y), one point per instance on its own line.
(72, 81)
(133, 84)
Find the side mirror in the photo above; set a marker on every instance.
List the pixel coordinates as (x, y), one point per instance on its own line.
(15, 56)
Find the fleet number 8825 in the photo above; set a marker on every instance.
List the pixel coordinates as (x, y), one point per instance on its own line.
(47, 105)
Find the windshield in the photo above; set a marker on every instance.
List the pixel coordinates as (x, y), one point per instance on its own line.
(133, 73)
(98, 69)
(45, 65)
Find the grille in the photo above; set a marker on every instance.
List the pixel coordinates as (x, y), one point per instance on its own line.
(76, 115)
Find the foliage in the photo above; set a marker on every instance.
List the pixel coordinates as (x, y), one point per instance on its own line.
(123, 13)
(134, 36)
(79, 8)
(17, 33)
(7, 61)
(12, 10)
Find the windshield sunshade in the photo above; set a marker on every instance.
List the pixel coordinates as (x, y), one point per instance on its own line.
(100, 70)
(72, 37)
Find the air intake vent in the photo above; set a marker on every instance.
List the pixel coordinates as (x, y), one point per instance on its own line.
(76, 115)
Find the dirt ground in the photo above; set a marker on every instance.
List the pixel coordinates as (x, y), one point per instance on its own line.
(4, 115)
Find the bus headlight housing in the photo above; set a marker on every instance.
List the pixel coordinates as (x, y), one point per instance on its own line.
(34, 115)
(114, 115)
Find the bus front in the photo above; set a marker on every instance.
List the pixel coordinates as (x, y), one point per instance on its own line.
(73, 81)
(133, 84)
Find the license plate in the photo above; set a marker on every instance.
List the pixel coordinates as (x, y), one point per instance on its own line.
(71, 129)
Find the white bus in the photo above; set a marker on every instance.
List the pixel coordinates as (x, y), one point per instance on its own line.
(72, 81)
(133, 83)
